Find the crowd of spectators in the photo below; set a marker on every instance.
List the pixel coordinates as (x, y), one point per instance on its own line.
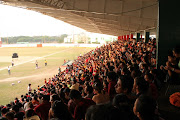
(118, 81)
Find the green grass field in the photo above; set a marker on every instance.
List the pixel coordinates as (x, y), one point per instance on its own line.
(26, 72)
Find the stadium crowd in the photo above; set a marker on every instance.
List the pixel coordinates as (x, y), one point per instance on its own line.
(118, 81)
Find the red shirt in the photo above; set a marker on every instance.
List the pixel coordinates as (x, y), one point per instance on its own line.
(81, 107)
(111, 89)
(86, 60)
(42, 110)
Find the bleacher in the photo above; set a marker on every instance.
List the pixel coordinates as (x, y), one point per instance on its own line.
(103, 80)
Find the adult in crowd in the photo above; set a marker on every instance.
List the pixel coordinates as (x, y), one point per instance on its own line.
(42, 109)
(82, 104)
(100, 96)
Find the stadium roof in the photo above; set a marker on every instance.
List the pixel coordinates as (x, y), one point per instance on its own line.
(113, 17)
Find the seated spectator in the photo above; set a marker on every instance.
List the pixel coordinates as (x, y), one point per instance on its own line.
(71, 106)
(153, 89)
(104, 112)
(111, 79)
(3, 112)
(105, 86)
(66, 92)
(10, 116)
(82, 104)
(89, 92)
(124, 85)
(122, 102)
(60, 111)
(42, 110)
(144, 108)
(30, 115)
(54, 97)
(100, 97)
(141, 87)
(19, 115)
(63, 97)
(75, 85)
(35, 101)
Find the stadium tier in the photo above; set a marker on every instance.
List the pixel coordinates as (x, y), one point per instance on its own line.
(113, 77)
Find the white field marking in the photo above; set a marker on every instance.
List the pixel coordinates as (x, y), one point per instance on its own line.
(34, 59)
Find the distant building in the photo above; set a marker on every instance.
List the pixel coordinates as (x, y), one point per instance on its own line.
(89, 38)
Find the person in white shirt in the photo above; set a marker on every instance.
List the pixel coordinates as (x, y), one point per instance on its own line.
(9, 70)
(29, 88)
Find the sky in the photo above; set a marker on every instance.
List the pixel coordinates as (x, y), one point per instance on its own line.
(21, 22)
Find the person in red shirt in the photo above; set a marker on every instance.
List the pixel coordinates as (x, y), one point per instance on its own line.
(42, 110)
(111, 79)
(82, 104)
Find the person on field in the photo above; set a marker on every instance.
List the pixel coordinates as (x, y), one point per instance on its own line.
(59, 70)
(29, 88)
(9, 70)
(36, 64)
(45, 62)
(12, 63)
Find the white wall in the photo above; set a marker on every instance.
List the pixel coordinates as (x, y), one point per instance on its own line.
(51, 45)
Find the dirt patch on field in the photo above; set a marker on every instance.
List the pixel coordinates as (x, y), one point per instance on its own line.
(46, 74)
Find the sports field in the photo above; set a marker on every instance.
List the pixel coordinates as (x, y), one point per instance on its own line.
(25, 70)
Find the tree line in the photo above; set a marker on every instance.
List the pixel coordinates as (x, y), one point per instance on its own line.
(34, 39)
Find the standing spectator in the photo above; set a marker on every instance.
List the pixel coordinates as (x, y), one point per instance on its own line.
(29, 88)
(42, 110)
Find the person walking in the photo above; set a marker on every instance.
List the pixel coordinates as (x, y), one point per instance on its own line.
(12, 63)
(45, 62)
(36, 64)
(9, 70)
